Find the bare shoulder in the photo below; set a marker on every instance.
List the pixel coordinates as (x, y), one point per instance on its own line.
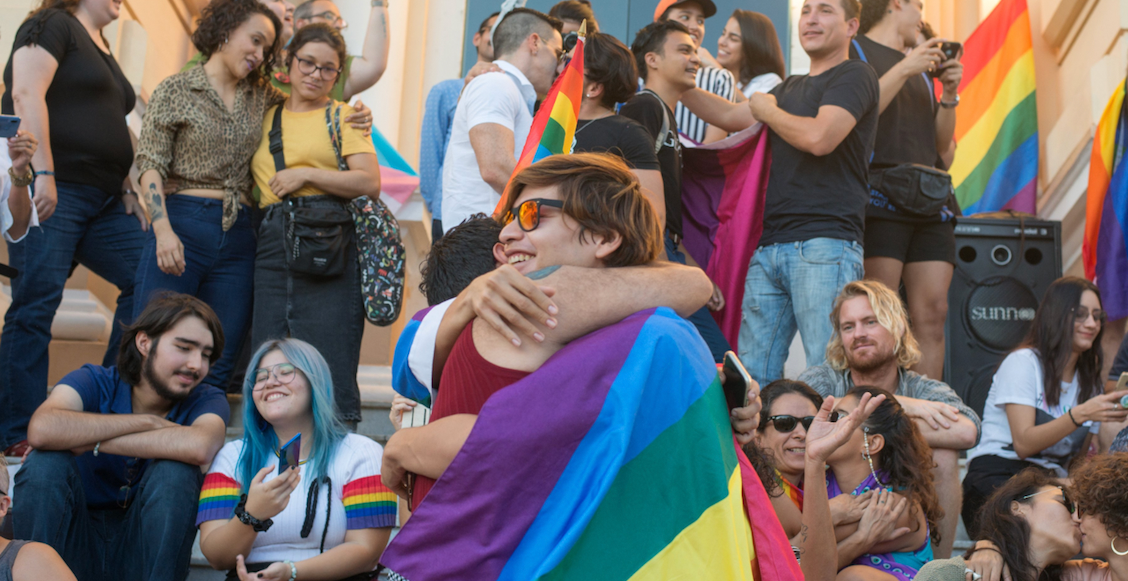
(37, 561)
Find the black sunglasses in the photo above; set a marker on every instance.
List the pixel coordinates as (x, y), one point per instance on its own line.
(528, 213)
(1065, 500)
(785, 423)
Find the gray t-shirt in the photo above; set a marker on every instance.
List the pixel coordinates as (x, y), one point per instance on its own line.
(827, 381)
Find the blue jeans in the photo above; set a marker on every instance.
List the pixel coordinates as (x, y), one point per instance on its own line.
(792, 286)
(703, 320)
(219, 269)
(150, 540)
(91, 227)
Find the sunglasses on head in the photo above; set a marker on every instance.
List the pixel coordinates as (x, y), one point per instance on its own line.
(785, 424)
(528, 213)
(1065, 500)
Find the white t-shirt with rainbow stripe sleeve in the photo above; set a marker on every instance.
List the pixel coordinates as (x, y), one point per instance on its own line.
(358, 501)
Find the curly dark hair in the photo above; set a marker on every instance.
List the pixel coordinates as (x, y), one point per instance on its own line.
(906, 457)
(762, 460)
(1102, 490)
(220, 18)
(464, 253)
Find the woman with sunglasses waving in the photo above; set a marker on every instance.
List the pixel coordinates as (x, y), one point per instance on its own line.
(1045, 400)
(309, 167)
(888, 457)
(1028, 529)
(324, 516)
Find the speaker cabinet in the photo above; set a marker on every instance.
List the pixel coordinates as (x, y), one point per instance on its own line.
(1003, 267)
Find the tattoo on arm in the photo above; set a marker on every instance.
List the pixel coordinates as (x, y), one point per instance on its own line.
(156, 205)
(383, 25)
(544, 272)
(803, 540)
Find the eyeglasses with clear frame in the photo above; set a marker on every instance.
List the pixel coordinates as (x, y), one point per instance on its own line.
(1082, 314)
(283, 372)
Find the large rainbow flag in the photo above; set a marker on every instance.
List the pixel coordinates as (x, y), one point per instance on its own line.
(996, 165)
(614, 461)
(1105, 250)
(724, 185)
(554, 126)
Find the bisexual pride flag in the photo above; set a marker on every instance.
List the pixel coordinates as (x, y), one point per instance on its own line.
(723, 189)
(1105, 249)
(397, 179)
(996, 165)
(554, 126)
(614, 461)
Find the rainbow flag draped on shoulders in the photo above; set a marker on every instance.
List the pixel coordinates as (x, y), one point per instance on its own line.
(996, 165)
(614, 461)
(1105, 249)
(554, 126)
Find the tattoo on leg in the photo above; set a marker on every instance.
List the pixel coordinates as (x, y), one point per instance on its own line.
(156, 206)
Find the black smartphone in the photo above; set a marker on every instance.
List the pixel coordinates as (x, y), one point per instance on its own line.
(9, 125)
(951, 51)
(289, 454)
(737, 381)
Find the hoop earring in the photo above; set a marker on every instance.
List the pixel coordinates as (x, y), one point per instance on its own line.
(869, 458)
(1114, 548)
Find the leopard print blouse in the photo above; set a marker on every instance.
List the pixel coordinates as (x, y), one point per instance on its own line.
(190, 137)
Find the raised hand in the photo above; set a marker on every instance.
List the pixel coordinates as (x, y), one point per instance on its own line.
(824, 436)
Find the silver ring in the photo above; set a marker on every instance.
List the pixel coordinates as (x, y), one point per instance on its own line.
(974, 576)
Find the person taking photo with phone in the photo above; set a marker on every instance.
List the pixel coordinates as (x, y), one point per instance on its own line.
(17, 211)
(257, 517)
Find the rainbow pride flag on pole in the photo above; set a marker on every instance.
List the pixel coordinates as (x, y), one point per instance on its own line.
(554, 127)
(996, 165)
(614, 461)
(1105, 249)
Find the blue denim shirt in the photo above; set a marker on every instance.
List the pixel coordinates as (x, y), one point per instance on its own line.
(437, 120)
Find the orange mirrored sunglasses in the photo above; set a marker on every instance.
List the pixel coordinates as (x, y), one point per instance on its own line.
(528, 213)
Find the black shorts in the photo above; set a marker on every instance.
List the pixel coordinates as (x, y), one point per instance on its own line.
(910, 240)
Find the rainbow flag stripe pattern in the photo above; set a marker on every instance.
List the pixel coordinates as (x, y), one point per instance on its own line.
(615, 461)
(218, 498)
(792, 491)
(554, 126)
(1105, 249)
(996, 165)
(369, 504)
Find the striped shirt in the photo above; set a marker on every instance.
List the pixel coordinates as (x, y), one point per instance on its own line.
(719, 82)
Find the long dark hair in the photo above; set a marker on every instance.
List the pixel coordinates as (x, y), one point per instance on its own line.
(1010, 532)
(906, 457)
(762, 460)
(760, 52)
(162, 313)
(220, 18)
(1051, 337)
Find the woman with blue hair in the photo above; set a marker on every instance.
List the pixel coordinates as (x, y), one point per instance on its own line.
(255, 517)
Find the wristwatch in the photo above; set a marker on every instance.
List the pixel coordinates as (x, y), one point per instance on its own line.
(376, 3)
(260, 526)
(950, 104)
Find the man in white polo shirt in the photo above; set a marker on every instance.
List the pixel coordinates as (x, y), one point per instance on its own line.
(495, 113)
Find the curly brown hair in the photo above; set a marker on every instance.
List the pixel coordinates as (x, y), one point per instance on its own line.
(220, 18)
(1102, 490)
(906, 457)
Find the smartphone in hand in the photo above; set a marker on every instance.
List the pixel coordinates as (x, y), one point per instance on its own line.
(9, 125)
(737, 381)
(951, 51)
(290, 453)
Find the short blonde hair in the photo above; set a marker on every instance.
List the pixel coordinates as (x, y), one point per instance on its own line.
(5, 482)
(891, 315)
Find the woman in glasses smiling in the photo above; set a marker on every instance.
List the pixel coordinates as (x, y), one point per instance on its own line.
(329, 517)
(1045, 400)
(309, 167)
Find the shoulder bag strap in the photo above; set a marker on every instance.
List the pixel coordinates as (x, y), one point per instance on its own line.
(276, 140)
(333, 122)
(665, 131)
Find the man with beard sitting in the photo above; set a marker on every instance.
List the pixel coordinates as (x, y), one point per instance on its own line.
(114, 477)
(873, 345)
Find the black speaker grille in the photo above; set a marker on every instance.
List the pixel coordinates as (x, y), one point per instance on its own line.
(998, 312)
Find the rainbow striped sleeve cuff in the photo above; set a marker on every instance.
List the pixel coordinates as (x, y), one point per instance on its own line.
(369, 504)
(218, 498)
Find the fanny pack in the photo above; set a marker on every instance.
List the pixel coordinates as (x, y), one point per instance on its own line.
(914, 189)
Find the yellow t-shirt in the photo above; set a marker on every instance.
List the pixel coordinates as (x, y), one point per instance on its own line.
(305, 143)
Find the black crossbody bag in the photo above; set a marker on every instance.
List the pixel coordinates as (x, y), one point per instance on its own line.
(914, 189)
(315, 238)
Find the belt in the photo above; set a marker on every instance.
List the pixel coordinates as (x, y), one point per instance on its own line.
(675, 238)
